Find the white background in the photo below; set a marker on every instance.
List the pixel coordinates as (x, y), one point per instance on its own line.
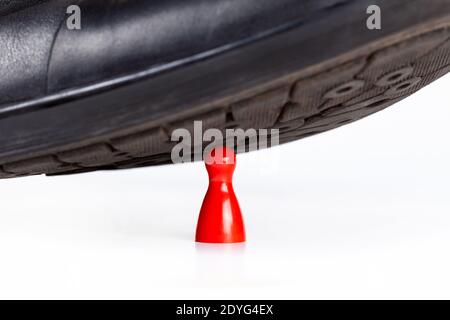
(359, 212)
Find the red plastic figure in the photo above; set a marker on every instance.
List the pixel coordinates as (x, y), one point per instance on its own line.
(220, 219)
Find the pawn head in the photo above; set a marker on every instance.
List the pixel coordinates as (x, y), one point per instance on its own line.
(220, 163)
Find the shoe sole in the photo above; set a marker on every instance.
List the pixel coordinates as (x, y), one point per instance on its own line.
(289, 80)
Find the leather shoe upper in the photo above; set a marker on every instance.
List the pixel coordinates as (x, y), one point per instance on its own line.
(39, 55)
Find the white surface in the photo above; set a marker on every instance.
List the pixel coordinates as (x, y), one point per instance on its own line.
(359, 212)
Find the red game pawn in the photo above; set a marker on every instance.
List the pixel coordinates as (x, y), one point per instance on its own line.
(220, 219)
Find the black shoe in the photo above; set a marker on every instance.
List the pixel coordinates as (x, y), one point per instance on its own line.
(108, 95)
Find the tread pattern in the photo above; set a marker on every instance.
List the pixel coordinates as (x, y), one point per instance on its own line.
(300, 108)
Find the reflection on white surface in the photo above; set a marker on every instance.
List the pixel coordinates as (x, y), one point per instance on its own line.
(231, 249)
(359, 212)
(220, 264)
